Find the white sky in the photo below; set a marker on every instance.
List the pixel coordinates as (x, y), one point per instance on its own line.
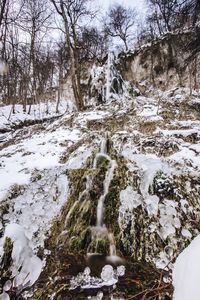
(139, 4)
(103, 5)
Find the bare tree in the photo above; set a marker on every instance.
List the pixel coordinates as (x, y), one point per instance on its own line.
(167, 15)
(120, 23)
(33, 21)
(93, 44)
(2, 10)
(191, 11)
(72, 12)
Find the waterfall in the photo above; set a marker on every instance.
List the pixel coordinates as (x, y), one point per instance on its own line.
(100, 228)
(107, 180)
(113, 251)
(106, 82)
(106, 184)
(103, 148)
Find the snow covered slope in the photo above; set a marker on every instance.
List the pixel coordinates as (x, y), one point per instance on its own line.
(50, 188)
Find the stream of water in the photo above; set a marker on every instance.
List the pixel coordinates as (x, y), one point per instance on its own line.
(100, 228)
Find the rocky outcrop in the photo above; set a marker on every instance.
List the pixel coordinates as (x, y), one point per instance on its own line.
(168, 62)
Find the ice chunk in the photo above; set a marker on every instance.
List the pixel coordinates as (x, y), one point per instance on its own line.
(130, 199)
(107, 273)
(109, 277)
(7, 286)
(186, 273)
(121, 271)
(4, 296)
(26, 267)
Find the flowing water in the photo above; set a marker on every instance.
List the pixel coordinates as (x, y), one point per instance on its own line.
(100, 226)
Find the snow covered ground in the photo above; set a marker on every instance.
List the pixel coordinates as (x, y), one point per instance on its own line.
(38, 152)
(34, 185)
(38, 112)
(34, 161)
(33, 176)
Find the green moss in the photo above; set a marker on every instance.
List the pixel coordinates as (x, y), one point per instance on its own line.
(102, 162)
(99, 245)
(6, 262)
(111, 204)
(112, 200)
(8, 245)
(79, 213)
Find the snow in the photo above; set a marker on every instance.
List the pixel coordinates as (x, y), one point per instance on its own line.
(187, 123)
(39, 151)
(41, 201)
(195, 148)
(79, 157)
(26, 267)
(178, 133)
(149, 111)
(185, 156)
(38, 112)
(83, 118)
(129, 199)
(186, 272)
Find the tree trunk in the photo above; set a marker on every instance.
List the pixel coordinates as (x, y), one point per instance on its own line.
(75, 69)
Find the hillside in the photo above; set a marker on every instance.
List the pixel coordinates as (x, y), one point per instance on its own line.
(115, 185)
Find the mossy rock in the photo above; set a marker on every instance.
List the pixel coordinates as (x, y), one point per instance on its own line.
(163, 186)
(99, 245)
(6, 262)
(112, 199)
(111, 205)
(102, 162)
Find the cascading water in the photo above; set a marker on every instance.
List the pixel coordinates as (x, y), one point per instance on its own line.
(108, 276)
(100, 228)
(113, 251)
(107, 180)
(106, 184)
(106, 83)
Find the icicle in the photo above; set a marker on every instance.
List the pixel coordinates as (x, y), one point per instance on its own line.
(108, 77)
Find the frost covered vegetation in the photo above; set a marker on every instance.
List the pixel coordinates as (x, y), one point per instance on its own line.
(99, 174)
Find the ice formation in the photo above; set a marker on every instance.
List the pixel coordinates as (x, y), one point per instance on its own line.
(109, 277)
(186, 272)
(26, 266)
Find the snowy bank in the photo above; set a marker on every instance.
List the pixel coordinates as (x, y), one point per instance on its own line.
(186, 273)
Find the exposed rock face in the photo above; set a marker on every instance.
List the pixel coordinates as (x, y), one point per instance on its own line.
(168, 62)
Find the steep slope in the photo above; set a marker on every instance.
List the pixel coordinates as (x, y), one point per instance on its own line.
(114, 185)
(167, 62)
